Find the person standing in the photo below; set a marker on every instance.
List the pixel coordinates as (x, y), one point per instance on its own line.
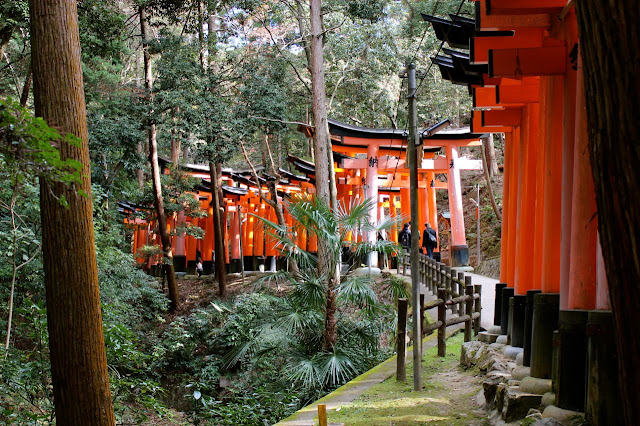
(429, 240)
(404, 237)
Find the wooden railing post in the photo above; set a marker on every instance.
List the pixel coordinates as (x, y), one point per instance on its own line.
(442, 283)
(478, 305)
(430, 275)
(468, 291)
(449, 286)
(442, 317)
(461, 289)
(401, 367)
(322, 415)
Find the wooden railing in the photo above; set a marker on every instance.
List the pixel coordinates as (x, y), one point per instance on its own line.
(454, 290)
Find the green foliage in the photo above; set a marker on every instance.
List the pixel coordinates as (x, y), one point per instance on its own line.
(27, 148)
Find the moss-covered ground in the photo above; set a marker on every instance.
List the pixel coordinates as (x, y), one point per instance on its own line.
(448, 396)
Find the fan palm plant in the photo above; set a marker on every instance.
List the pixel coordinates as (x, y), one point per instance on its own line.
(317, 357)
(336, 229)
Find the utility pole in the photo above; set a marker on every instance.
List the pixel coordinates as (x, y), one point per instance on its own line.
(412, 157)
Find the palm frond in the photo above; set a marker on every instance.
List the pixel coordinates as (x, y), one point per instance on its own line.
(356, 215)
(310, 293)
(357, 290)
(337, 366)
(304, 369)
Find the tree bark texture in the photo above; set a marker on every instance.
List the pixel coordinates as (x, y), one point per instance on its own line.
(76, 342)
(172, 284)
(320, 138)
(218, 226)
(487, 174)
(613, 107)
(490, 152)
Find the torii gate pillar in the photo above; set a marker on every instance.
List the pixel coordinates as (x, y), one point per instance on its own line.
(372, 193)
(459, 247)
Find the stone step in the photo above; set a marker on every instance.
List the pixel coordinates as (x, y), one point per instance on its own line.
(485, 336)
(517, 404)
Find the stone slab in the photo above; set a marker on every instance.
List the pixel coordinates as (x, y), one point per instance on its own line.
(494, 329)
(486, 337)
(503, 338)
(535, 385)
(548, 398)
(512, 352)
(520, 372)
(517, 404)
(564, 417)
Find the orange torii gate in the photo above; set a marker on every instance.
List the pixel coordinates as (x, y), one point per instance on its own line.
(525, 74)
(373, 161)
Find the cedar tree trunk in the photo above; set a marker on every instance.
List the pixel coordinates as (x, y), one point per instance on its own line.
(218, 226)
(610, 49)
(320, 138)
(172, 284)
(76, 342)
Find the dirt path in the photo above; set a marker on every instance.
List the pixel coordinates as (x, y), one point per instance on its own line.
(448, 397)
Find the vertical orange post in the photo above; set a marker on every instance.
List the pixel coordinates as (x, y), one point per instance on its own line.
(539, 178)
(258, 248)
(361, 197)
(568, 131)
(506, 213)
(180, 239)
(235, 230)
(393, 235)
(207, 243)
(432, 207)
(250, 227)
(552, 216)
(584, 214)
(524, 275)
(269, 240)
(405, 205)
(458, 247)
(423, 206)
(515, 191)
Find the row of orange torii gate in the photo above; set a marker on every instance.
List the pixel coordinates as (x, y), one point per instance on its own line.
(521, 61)
(368, 163)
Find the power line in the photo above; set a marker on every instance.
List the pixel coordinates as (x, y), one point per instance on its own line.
(440, 48)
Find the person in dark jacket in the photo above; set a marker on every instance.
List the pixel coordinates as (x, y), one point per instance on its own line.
(429, 239)
(404, 237)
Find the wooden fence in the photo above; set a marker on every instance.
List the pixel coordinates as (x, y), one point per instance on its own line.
(454, 290)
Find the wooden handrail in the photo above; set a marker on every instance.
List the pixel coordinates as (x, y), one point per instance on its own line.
(454, 290)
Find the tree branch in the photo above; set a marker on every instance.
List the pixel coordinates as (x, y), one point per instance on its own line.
(271, 203)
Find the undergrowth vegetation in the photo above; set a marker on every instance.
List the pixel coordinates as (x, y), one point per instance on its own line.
(253, 358)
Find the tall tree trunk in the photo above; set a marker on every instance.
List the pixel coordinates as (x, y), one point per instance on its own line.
(218, 226)
(320, 138)
(172, 284)
(490, 152)
(215, 168)
(76, 342)
(486, 168)
(613, 108)
(26, 88)
(140, 172)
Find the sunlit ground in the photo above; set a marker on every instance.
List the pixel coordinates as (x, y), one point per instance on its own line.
(448, 396)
